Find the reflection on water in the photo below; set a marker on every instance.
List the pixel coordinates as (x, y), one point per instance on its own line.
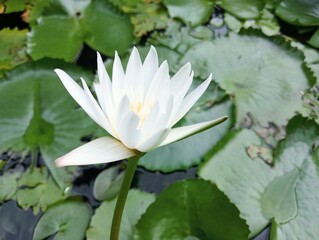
(15, 223)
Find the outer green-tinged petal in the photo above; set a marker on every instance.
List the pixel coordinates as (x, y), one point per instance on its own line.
(101, 150)
(180, 133)
(154, 141)
(190, 99)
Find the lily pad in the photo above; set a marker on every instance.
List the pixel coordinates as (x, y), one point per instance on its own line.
(12, 51)
(245, 9)
(193, 12)
(136, 204)
(37, 190)
(247, 182)
(253, 69)
(299, 12)
(279, 199)
(67, 220)
(36, 111)
(191, 209)
(108, 183)
(9, 186)
(93, 22)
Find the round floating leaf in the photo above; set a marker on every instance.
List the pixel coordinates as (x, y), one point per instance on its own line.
(245, 180)
(299, 12)
(64, 25)
(36, 110)
(105, 30)
(108, 183)
(189, 152)
(279, 199)
(136, 204)
(55, 37)
(191, 209)
(245, 9)
(66, 220)
(193, 12)
(254, 69)
(232, 170)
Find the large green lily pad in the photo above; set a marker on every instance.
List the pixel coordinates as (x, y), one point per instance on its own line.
(66, 220)
(65, 25)
(193, 12)
(299, 12)
(36, 111)
(248, 182)
(136, 204)
(191, 209)
(253, 69)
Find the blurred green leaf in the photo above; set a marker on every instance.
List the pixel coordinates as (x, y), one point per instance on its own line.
(14, 6)
(191, 209)
(12, 50)
(55, 37)
(299, 12)
(37, 190)
(106, 30)
(108, 183)
(136, 204)
(253, 69)
(245, 9)
(9, 186)
(65, 25)
(35, 111)
(314, 40)
(66, 220)
(193, 12)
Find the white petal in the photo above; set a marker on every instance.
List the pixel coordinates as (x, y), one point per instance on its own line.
(160, 77)
(191, 99)
(106, 89)
(132, 75)
(117, 79)
(180, 133)
(81, 98)
(103, 120)
(179, 96)
(128, 132)
(150, 67)
(154, 141)
(179, 79)
(101, 150)
(151, 120)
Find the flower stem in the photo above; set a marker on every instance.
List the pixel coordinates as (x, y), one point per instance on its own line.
(120, 203)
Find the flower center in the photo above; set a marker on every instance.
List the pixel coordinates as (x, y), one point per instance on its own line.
(141, 110)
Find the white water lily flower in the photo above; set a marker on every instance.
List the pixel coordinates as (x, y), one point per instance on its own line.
(138, 108)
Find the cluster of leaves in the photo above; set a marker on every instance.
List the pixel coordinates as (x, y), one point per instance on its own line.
(258, 168)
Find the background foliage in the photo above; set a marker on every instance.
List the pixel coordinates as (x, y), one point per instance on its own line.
(258, 170)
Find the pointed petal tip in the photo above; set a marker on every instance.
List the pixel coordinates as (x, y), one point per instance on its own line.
(59, 162)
